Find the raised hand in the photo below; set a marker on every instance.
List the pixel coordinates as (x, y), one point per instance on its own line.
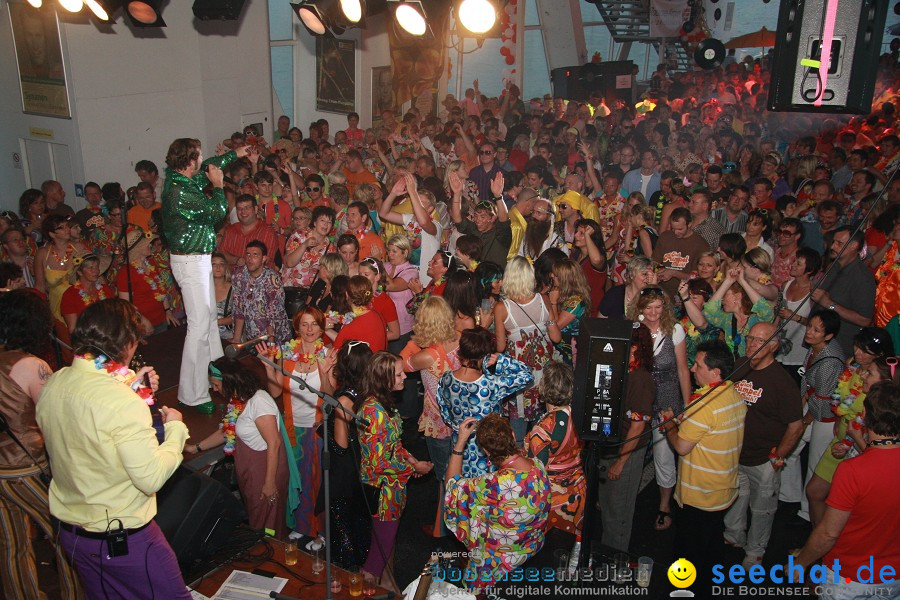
(456, 184)
(497, 184)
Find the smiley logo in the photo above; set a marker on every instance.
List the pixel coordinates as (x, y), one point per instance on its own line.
(682, 573)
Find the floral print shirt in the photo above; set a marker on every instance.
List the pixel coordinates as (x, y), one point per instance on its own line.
(259, 302)
(304, 272)
(500, 517)
(383, 459)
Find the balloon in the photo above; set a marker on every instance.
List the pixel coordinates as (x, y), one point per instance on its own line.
(510, 60)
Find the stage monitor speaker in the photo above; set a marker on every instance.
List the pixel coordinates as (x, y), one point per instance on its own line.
(601, 374)
(196, 514)
(225, 10)
(853, 64)
(567, 84)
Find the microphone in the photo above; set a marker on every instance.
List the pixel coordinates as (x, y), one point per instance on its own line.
(234, 350)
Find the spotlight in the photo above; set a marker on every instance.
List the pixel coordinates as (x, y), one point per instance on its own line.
(72, 5)
(334, 16)
(145, 13)
(477, 16)
(410, 16)
(103, 9)
(35, 3)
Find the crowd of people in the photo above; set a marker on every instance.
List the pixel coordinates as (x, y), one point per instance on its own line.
(431, 274)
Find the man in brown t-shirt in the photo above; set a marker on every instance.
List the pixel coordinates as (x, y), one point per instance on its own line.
(772, 428)
(678, 250)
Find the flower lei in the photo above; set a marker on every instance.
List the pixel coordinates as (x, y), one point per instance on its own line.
(232, 412)
(702, 391)
(847, 391)
(148, 269)
(335, 318)
(292, 351)
(120, 373)
(689, 328)
(85, 297)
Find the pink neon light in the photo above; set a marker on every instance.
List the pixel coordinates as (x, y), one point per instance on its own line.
(830, 18)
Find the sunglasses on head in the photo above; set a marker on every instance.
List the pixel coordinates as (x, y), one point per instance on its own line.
(354, 343)
(485, 205)
(651, 290)
(313, 188)
(370, 262)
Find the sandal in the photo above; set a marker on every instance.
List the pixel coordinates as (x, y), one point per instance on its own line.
(661, 524)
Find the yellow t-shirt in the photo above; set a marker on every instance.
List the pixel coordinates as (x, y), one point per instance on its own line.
(708, 474)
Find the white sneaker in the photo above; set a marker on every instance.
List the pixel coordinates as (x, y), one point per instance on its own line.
(750, 560)
(293, 535)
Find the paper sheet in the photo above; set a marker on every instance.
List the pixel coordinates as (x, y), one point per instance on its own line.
(242, 585)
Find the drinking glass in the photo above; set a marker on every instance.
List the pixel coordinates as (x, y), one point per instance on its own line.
(355, 583)
(290, 553)
(318, 558)
(644, 569)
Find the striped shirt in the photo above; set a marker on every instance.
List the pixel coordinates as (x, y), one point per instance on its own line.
(739, 225)
(708, 474)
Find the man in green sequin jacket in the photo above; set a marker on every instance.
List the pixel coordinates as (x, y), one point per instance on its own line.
(190, 217)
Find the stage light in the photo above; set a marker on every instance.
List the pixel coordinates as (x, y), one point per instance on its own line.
(145, 13)
(72, 5)
(335, 16)
(477, 16)
(35, 3)
(410, 16)
(102, 9)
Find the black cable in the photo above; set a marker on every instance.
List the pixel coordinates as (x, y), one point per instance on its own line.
(699, 403)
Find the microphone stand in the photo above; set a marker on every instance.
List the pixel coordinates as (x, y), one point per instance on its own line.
(328, 405)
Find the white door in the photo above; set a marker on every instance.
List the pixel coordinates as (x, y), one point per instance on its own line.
(43, 160)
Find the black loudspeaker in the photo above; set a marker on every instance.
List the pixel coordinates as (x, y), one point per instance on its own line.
(612, 80)
(855, 49)
(604, 346)
(225, 10)
(196, 514)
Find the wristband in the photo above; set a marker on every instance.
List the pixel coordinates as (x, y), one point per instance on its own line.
(198, 447)
(456, 453)
(776, 460)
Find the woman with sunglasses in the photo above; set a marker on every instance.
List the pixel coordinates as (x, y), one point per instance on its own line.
(385, 465)
(434, 350)
(653, 308)
(304, 250)
(362, 322)
(302, 357)
(869, 345)
(53, 263)
(373, 270)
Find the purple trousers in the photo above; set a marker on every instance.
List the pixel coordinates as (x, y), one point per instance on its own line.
(149, 570)
(384, 534)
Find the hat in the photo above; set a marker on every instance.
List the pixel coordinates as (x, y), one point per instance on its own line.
(84, 255)
(135, 235)
(573, 199)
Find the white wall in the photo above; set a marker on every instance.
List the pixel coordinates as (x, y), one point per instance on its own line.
(132, 91)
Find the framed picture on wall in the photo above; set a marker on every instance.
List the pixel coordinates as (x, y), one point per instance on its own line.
(335, 75)
(382, 92)
(42, 78)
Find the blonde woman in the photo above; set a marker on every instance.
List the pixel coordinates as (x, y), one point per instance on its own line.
(433, 350)
(331, 266)
(708, 269)
(757, 266)
(522, 324)
(653, 308)
(570, 298)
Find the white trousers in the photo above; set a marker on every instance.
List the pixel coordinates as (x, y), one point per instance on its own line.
(193, 272)
(664, 463)
(820, 436)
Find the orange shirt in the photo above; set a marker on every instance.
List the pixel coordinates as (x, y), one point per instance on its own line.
(367, 242)
(140, 216)
(354, 179)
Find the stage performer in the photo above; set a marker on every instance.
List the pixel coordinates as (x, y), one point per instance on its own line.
(190, 217)
(108, 462)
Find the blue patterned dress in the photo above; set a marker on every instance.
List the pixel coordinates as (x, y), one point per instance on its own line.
(459, 400)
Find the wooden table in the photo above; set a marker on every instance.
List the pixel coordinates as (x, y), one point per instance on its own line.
(295, 587)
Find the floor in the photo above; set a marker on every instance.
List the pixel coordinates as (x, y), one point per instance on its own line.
(414, 548)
